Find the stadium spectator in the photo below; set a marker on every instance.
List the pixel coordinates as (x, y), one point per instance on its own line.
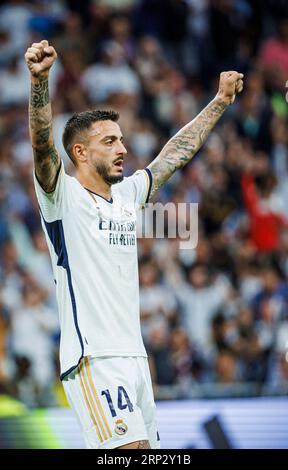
(200, 298)
(215, 315)
(33, 319)
(265, 211)
(111, 75)
(274, 55)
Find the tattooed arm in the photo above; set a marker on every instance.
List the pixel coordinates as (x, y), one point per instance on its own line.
(183, 146)
(39, 58)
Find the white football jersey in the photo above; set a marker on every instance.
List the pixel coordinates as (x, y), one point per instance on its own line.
(93, 247)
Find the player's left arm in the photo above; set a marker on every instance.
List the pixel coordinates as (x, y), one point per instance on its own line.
(182, 147)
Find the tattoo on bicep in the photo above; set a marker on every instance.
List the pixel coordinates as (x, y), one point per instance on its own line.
(39, 94)
(42, 136)
(47, 162)
(46, 155)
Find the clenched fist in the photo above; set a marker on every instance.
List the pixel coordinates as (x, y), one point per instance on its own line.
(230, 84)
(40, 58)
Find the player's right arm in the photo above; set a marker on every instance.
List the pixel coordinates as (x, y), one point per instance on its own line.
(40, 58)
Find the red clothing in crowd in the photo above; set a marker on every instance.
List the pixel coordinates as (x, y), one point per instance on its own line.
(265, 224)
(275, 53)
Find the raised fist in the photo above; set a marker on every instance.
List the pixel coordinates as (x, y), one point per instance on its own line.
(40, 58)
(230, 84)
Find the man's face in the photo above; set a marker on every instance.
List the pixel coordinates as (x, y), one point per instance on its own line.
(106, 151)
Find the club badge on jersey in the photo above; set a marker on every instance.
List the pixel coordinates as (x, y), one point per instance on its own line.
(120, 427)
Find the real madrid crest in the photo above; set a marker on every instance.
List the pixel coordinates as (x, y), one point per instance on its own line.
(120, 427)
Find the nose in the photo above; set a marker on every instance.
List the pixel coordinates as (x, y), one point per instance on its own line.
(121, 150)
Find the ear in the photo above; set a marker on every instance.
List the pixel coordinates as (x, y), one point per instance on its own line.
(79, 152)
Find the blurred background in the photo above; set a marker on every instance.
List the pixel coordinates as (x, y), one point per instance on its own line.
(214, 319)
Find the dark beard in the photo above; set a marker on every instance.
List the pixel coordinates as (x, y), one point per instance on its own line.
(103, 171)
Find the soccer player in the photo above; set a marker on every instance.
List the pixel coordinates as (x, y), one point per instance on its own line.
(90, 226)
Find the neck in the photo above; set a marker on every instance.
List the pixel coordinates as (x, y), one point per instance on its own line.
(95, 183)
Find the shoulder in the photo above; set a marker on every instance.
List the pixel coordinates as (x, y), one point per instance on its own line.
(140, 181)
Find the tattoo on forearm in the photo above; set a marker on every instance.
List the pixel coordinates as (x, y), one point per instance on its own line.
(42, 136)
(46, 157)
(39, 94)
(184, 145)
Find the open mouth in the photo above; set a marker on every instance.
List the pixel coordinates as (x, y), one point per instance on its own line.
(119, 163)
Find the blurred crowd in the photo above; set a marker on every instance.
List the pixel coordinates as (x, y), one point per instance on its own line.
(214, 319)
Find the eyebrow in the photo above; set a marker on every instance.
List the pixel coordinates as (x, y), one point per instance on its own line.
(113, 137)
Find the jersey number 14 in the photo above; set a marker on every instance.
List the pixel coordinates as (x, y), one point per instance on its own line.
(123, 401)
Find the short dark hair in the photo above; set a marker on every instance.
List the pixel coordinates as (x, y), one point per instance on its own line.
(80, 122)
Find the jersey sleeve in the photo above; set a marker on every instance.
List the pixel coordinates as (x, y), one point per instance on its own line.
(140, 184)
(54, 204)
